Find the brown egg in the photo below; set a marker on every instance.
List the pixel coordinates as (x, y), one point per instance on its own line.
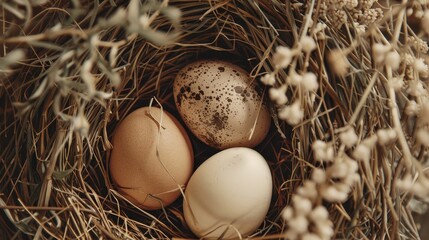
(148, 180)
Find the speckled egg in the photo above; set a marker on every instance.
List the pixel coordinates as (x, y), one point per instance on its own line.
(219, 103)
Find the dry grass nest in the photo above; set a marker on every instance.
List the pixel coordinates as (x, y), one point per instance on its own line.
(56, 127)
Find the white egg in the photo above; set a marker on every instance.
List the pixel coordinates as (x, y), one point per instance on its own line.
(230, 190)
(220, 105)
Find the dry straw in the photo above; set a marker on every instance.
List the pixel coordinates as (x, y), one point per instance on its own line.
(348, 80)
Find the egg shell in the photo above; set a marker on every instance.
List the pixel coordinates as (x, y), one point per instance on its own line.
(233, 187)
(220, 105)
(136, 171)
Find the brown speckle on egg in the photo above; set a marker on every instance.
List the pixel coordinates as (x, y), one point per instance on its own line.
(238, 89)
(219, 121)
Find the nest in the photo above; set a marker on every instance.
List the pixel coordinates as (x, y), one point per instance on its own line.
(56, 126)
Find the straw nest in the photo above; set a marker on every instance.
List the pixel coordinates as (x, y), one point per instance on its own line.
(85, 66)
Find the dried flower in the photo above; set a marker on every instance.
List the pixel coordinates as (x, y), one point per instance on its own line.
(417, 13)
(393, 60)
(334, 4)
(338, 17)
(318, 176)
(379, 52)
(412, 108)
(268, 79)
(278, 95)
(88, 77)
(319, 214)
(407, 59)
(338, 170)
(323, 151)
(308, 190)
(421, 188)
(320, 27)
(367, 3)
(287, 213)
(370, 141)
(349, 137)
(331, 194)
(309, 82)
(144, 21)
(415, 88)
(362, 152)
(405, 184)
(56, 27)
(360, 29)
(420, 65)
(370, 16)
(308, 44)
(418, 44)
(338, 62)
(294, 78)
(342, 187)
(386, 136)
(324, 229)
(422, 137)
(283, 57)
(299, 224)
(302, 205)
(292, 114)
(351, 4)
(396, 83)
(80, 124)
(12, 57)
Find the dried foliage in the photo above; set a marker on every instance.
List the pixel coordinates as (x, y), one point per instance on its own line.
(70, 71)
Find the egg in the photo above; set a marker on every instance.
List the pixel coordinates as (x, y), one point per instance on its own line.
(147, 180)
(230, 190)
(219, 103)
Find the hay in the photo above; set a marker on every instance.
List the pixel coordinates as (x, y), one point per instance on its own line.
(78, 80)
